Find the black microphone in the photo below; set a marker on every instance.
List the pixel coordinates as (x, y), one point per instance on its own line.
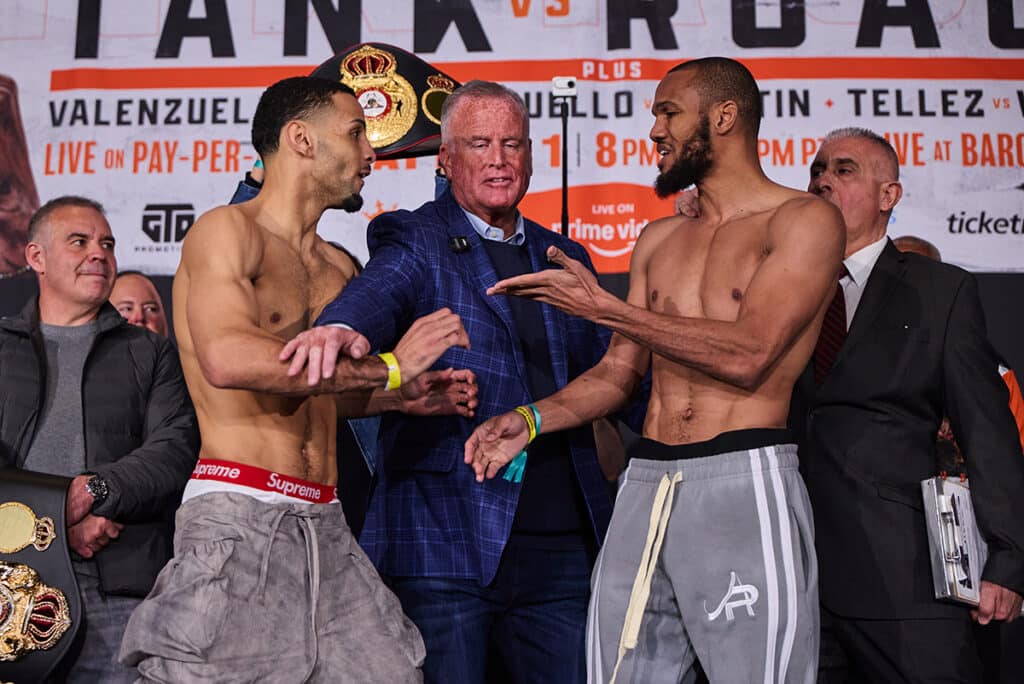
(458, 244)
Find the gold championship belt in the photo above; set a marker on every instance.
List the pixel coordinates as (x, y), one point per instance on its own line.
(39, 597)
(401, 96)
(33, 616)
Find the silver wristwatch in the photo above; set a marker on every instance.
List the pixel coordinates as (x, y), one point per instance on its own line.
(97, 486)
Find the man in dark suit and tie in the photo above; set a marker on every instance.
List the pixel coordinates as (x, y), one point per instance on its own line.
(868, 408)
(505, 564)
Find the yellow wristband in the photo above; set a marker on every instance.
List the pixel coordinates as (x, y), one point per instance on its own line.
(531, 424)
(394, 373)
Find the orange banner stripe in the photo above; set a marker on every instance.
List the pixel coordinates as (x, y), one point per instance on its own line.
(178, 77)
(912, 68)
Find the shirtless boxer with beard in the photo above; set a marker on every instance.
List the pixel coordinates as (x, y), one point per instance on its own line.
(709, 555)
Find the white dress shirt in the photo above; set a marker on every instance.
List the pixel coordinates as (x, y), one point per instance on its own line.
(859, 266)
(489, 232)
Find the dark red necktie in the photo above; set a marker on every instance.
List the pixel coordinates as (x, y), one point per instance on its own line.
(833, 333)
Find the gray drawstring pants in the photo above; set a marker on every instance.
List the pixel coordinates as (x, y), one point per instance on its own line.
(260, 592)
(708, 557)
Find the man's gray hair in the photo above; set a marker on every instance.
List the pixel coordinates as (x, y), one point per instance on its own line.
(40, 218)
(478, 90)
(867, 134)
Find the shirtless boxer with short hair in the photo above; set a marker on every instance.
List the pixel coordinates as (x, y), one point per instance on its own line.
(267, 583)
(710, 550)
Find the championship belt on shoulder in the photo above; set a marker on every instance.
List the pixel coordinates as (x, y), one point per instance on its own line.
(401, 96)
(40, 604)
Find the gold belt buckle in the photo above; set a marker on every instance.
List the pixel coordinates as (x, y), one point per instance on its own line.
(33, 615)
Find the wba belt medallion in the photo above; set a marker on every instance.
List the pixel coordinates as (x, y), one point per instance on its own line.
(20, 527)
(388, 100)
(33, 616)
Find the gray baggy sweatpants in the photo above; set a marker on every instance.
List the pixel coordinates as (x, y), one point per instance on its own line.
(260, 592)
(708, 557)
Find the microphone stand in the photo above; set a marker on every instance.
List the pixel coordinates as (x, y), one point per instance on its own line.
(565, 102)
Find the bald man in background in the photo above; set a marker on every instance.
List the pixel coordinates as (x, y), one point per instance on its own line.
(916, 245)
(136, 298)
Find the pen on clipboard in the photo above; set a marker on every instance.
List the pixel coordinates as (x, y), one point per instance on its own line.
(965, 561)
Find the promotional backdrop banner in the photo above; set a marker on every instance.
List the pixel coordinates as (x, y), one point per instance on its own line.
(146, 104)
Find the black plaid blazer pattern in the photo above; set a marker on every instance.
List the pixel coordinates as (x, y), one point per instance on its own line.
(428, 515)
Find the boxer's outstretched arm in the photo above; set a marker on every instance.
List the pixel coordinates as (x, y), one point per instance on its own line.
(603, 389)
(433, 393)
(789, 288)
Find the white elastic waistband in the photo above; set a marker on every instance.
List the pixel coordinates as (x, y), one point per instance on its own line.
(196, 488)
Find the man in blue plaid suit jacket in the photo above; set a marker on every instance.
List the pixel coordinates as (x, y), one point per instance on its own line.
(499, 566)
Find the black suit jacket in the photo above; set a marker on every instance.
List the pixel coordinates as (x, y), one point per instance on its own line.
(917, 350)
